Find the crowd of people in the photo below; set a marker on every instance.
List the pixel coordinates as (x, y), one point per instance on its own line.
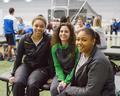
(72, 54)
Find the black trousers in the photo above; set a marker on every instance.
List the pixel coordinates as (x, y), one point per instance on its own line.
(32, 80)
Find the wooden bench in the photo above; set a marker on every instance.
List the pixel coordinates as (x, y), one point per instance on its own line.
(5, 78)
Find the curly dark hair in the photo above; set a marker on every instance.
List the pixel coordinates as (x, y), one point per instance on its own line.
(71, 42)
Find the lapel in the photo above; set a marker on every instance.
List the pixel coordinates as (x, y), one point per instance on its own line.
(82, 69)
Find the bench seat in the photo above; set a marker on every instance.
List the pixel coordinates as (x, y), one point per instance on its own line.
(5, 78)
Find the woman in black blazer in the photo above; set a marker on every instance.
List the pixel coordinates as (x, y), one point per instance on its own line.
(94, 74)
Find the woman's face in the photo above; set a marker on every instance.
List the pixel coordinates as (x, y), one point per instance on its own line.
(85, 42)
(80, 22)
(38, 27)
(64, 34)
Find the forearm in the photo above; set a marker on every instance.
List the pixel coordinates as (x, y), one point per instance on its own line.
(19, 56)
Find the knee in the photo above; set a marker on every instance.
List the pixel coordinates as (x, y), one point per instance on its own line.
(32, 85)
(18, 85)
(53, 88)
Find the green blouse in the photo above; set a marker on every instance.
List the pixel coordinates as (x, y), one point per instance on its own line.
(58, 66)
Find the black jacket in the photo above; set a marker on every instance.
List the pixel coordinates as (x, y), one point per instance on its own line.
(32, 55)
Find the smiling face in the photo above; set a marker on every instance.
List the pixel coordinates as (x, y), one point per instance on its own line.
(80, 22)
(64, 34)
(85, 42)
(38, 27)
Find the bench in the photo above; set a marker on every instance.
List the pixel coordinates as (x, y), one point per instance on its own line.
(5, 78)
(113, 53)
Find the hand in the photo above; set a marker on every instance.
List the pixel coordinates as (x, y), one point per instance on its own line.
(49, 81)
(12, 79)
(61, 86)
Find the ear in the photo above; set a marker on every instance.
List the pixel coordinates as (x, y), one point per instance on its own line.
(94, 41)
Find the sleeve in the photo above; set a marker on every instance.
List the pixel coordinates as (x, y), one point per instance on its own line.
(15, 25)
(70, 75)
(96, 79)
(19, 55)
(58, 68)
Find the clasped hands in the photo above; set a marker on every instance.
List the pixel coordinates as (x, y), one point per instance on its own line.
(62, 85)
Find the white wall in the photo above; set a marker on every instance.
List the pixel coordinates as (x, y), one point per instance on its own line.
(26, 10)
(1, 14)
(107, 8)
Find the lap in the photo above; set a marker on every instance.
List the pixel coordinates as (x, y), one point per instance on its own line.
(38, 76)
(27, 76)
(22, 73)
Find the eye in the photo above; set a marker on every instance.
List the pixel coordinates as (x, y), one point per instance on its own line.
(36, 25)
(61, 31)
(66, 31)
(78, 39)
(40, 26)
(84, 40)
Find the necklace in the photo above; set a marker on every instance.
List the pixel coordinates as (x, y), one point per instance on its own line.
(36, 41)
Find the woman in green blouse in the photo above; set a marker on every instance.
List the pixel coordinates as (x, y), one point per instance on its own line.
(65, 57)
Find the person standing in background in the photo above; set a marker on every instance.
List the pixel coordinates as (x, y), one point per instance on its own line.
(80, 25)
(97, 27)
(114, 27)
(20, 28)
(9, 26)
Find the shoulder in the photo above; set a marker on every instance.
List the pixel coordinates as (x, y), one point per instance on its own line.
(55, 47)
(6, 17)
(47, 36)
(100, 58)
(25, 36)
(10, 17)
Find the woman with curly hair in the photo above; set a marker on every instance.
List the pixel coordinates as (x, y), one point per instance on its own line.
(65, 57)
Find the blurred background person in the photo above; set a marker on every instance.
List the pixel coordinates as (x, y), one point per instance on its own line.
(97, 27)
(10, 26)
(79, 25)
(20, 28)
(114, 27)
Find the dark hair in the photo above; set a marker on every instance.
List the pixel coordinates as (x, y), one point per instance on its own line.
(93, 34)
(56, 39)
(41, 15)
(39, 18)
(63, 19)
(11, 10)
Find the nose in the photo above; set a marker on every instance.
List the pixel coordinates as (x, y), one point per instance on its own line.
(78, 42)
(63, 32)
(39, 28)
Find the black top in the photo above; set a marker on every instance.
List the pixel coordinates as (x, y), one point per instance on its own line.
(32, 55)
